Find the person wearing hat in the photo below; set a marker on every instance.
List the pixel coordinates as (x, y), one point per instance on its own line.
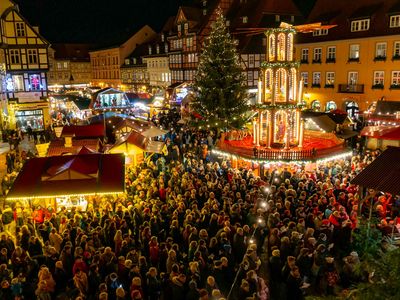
(120, 293)
(136, 288)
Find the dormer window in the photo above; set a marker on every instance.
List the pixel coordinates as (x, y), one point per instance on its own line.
(127, 62)
(20, 29)
(245, 19)
(149, 50)
(227, 23)
(204, 12)
(186, 27)
(134, 60)
(360, 25)
(394, 21)
(166, 48)
(320, 32)
(158, 49)
(277, 18)
(291, 19)
(179, 27)
(204, 3)
(162, 37)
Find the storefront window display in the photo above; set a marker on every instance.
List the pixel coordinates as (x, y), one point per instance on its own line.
(79, 202)
(34, 81)
(14, 83)
(29, 118)
(111, 100)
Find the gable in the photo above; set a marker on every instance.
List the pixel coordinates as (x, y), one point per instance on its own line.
(180, 18)
(69, 175)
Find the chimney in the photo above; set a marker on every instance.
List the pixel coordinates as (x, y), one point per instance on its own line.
(68, 141)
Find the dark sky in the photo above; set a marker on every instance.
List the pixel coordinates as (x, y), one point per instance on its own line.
(96, 21)
(103, 22)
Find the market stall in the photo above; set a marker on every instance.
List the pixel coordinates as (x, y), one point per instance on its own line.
(69, 181)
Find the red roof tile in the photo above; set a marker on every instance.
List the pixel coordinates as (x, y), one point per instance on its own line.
(92, 130)
(57, 147)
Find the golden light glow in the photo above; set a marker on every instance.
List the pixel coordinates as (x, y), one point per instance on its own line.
(69, 195)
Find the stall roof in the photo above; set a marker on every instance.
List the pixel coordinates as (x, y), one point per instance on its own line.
(82, 103)
(83, 146)
(387, 107)
(383, 173)
(140, 141)
(81, 131)
(382, 132)
(85, 174)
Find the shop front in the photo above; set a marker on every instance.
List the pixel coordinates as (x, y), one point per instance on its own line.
(109, 99)
(29, 115)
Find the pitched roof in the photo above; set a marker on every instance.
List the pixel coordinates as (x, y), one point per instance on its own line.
(342, 12)
(34, 180)
(382, 132)
(81, 131)
(73, 52)
(387, 107)
(81, 146)
(383, 173)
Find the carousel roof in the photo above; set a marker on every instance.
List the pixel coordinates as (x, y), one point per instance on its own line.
(84, 174)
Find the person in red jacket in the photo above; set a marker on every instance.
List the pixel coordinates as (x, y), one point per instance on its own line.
(38, 215)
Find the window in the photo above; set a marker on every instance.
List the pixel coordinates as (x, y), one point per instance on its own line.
(227, 23)
(304, 77)
(277, 18)
(330, 78)
(396, 49)
(354, 52)
(360, 25)
(317, 55)
(352, 78)
(316, 78)
(395, 78)
(186, 27)
(394, 21)
(20, 29)
(331, 53)
(304, 55)
(292, 19)
(378, 78)
(189, 42)
(320, 32)
(34, 82)
(245, 19)
(380, 50)
(149, 50)
(14, 55)
(158, 49)
(65, 65)
(126, 61)
(32, 56)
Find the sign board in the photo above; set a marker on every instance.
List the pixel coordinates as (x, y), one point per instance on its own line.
(28, 96)
(42, 149)
(58, 131)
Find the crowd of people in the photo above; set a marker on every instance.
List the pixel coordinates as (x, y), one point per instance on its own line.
(192, 227)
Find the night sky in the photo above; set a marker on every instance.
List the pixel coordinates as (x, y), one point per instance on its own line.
(102, 22)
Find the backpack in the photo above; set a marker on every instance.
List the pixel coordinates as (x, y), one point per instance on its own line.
(7, 217)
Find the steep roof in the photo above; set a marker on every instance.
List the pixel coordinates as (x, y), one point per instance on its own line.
(74, 52)
(383, 173)
(342, 12)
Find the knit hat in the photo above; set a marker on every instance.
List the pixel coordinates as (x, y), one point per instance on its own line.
(276, 253)
(120, 292)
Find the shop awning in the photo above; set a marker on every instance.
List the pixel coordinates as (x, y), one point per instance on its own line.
(382, 132)
(71, 175)
(383, 173)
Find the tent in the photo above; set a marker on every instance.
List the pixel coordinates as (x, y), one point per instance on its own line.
(153, 131)
(135, 145)
(383, 173)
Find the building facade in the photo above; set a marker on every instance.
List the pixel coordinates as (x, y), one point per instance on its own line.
(69, 66)
(24, 58)
(106, 63)
(134, 73)
(357, 62)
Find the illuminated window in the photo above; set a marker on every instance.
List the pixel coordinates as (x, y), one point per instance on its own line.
(34, 82)
(319, 32)
(304, 55)
(290, 46)
(20, 29)
(32, 56)
(394, 21)
(360, 25)
(316, 78)
(304, 77)
(379, 77)
(380, 50)
(14, 56)
(271, 47)
(245, 19)
(330, 78)
(317, 55)
(331, 53)
(354, 51)
(396, 78)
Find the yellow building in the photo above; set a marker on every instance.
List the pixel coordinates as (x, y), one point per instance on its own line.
(350, 66)
(69, 65)
(24, 65)
(106, 63)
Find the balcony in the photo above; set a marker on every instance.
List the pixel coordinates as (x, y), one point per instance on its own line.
(330, 60)
(351, 88)
(353, 59)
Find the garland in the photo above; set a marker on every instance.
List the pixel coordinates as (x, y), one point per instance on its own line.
(278, 106)
(279, 30)
(292, 64)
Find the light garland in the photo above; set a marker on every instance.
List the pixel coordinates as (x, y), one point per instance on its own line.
(69, 195)
(278, 106)
(281, 46)
(266, 162)
(289, 64)
(280, 29)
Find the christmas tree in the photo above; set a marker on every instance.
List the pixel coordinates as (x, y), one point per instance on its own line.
(219, 83)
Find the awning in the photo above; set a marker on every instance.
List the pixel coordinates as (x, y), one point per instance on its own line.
(383, 173)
